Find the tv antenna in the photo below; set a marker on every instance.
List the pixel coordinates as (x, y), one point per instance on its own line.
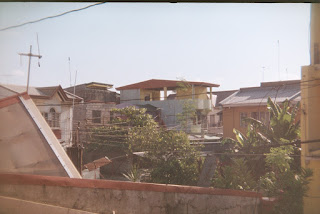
(31, 55)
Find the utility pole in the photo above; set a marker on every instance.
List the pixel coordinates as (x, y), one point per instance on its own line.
(29, 55)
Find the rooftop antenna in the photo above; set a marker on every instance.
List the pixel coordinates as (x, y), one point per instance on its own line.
(29, 55)
(38, 50)
(279, 59)
(74, 93)
(69, 71)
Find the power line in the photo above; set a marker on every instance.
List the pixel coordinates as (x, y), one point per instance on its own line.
(51, 17)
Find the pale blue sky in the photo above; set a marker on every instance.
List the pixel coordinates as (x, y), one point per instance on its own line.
(120, 44)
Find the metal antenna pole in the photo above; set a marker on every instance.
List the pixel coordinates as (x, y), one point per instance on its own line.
(29, 55)
(29, 68)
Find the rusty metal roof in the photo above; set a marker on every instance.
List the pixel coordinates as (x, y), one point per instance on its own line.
(97, 163)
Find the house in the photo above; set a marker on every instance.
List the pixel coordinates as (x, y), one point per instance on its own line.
(181, 93)
(27, 142)
(55, 105)
(95, 111)
(252, 102)
(215, 117)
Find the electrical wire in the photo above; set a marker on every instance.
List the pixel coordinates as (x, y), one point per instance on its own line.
(51, 17)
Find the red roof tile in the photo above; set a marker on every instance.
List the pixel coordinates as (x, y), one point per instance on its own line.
(160, 84)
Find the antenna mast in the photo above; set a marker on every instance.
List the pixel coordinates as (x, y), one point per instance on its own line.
(69, 71)
(29, 55)
(279, 59)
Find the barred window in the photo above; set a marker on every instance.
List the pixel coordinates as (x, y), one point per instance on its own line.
(53, 118)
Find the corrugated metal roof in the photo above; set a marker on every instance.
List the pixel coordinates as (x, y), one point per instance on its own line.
(259, 95)
(160, 84)
(221, 95)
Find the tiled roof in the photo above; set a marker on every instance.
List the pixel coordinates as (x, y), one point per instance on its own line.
(160, 84)
(45, 92)
(21, 88)
(95, 85)
(278, 91)
(48, 91)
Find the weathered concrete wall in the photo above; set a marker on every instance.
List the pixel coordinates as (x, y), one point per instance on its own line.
(18, 206)
(130, 96)
(103, 95)
(118, 197)
(83, 114)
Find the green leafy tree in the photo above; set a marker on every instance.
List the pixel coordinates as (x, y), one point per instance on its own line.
(173, 160)
(235, 176)
(188, 114)
(112, 139)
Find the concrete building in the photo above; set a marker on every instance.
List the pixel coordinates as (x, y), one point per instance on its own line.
(55, 105)
(215, 117)
(155, 93)
(252, 102)
(310, 118)
(95, 111)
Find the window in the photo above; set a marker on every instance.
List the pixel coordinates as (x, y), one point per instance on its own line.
(243, 115)
(96, 116)
(52, 118)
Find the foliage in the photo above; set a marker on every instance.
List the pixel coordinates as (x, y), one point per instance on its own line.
(188, 114)
(267, 150)
(235, 176)
(114, 136)
(173, 159)
(134, 174)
